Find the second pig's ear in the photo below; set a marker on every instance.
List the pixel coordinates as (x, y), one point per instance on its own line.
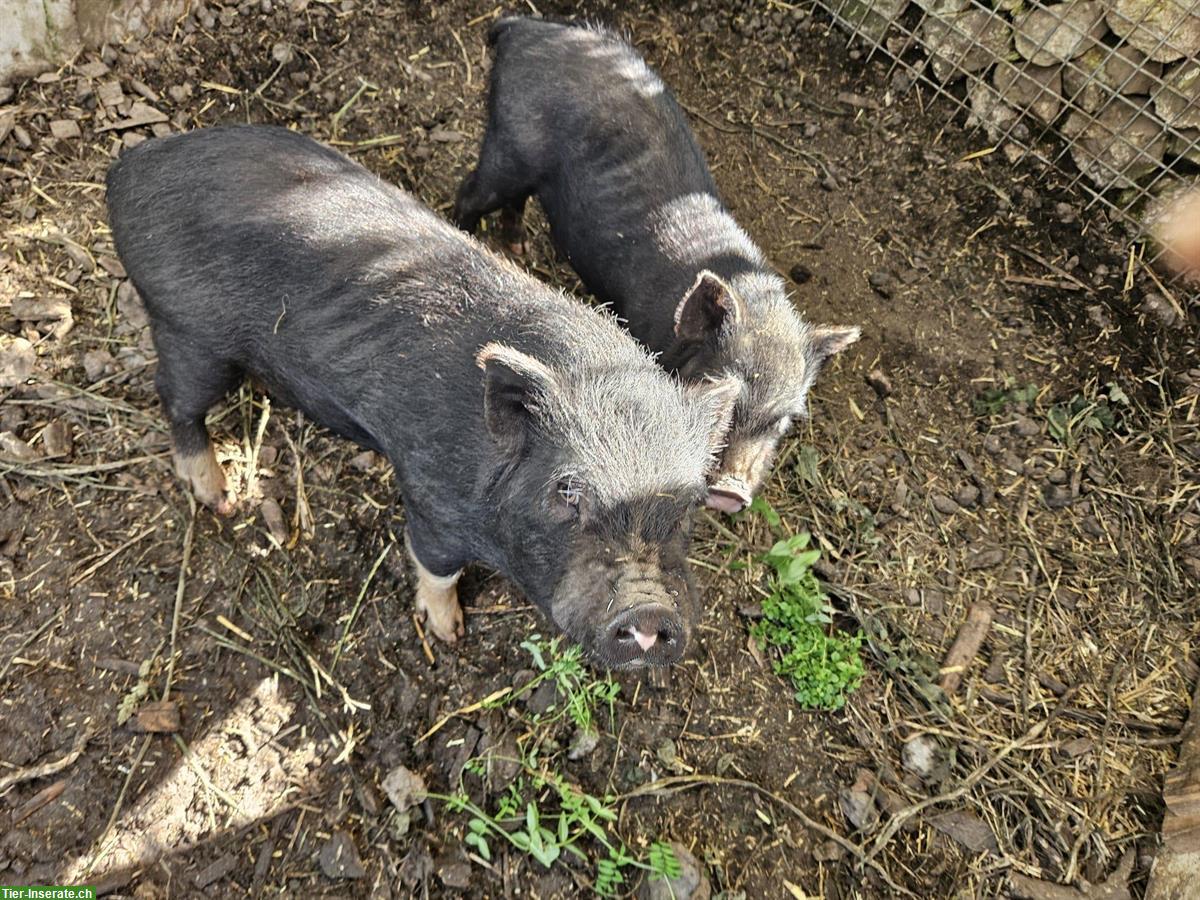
(515, 385)
(709, 306)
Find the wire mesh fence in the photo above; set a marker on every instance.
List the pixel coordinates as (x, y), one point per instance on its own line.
(1105, 91)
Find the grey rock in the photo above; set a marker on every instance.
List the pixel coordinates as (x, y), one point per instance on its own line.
(692, 883)
(339, 857)
(1047, 35)
(17, 358)
(1117, 146)
(404, 787)
(944, 504)
(1165, 30)
(964, 42)
(1177, 102)
(1037, 89)
(1095, 77)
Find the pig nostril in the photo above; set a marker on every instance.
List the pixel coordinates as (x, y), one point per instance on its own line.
(666, 637)
(625, 635)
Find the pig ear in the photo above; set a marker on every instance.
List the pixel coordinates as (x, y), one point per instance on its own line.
(830, 339)
(513, 385)
(706, 308)
(720, 396)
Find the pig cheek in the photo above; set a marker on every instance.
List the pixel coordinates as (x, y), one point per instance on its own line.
(580, 602)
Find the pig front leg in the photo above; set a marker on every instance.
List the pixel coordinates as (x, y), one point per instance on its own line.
(496, 184)
(189, 381)
(437, 598)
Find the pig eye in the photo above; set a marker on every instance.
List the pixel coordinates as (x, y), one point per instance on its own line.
(570, 490)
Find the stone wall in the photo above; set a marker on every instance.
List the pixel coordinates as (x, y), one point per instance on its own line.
(37, 35)
(1117, 80)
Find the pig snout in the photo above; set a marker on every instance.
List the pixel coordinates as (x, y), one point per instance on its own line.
(649, 634)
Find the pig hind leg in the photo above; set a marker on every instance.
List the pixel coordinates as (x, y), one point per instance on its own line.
(437, 595)
(189, 381)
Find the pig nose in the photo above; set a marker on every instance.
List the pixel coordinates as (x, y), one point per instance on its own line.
(647, 634)
(727, 500)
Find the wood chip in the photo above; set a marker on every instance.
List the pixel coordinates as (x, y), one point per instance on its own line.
(157, 718)
(966, 646)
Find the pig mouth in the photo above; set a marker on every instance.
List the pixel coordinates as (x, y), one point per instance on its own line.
(729, 495)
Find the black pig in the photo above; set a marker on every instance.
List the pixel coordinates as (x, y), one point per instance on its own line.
(578, 119)
(526, 431)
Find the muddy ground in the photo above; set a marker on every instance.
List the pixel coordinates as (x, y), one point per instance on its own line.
(1069, 510)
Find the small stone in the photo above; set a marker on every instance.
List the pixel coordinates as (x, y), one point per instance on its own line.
(339, 857)
(130, 307)
(800, 274)
(144, 90)
(93, 69)
(857, 803)
(883, 282)
(17, 358)
(272, 514)
(97, 364)
(583, 743)
(1057, 476)
(110, 93)
(944, 504)
(967, 496)
(112, 265)
(994, 673)
(985, 559)
(1057, 496)
(829, 851)
(692, 883)
(365, 461)
(1076, 747)
(179, 92)
(1093, 526)
(24, 141)
(6, 93)
(920, 755)
(34, 309)
(13, 449)
(454, 873)
(65, 129)
(404, 787)
(57, 441)
(880, 383)
(993, 445)
(283, 52)
(1026, 427)
(1160, 309)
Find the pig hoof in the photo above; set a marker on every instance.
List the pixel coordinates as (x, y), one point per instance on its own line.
(202, 473)
(442, 614)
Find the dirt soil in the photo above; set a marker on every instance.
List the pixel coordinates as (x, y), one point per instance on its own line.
(933, 487)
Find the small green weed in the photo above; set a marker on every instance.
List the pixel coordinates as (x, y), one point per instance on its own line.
(541, 813)
(796, 622)
(1070, 420)
(994, 401)
(580, 690)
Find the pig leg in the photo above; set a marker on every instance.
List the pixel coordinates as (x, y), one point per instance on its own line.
(489, 188)
(189, 381)
(437, 598)
(512, 227)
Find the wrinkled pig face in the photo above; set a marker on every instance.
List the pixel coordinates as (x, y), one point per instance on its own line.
(596, 476)
(749, 328)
